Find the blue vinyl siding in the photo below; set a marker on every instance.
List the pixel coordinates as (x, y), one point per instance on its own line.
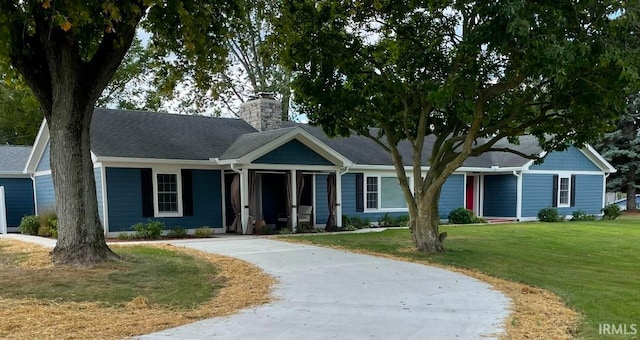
(538, 193)
(44, 163)
(124, 192)
(451, 197)
(45, 196)
(18, 193)
(589, 195)
(293, 152)
(322, 202)
(500, 195)
(570, 159)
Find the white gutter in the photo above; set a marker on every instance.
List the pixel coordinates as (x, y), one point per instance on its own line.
(100, 159)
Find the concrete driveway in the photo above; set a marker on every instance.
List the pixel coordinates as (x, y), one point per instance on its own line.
(331, 294)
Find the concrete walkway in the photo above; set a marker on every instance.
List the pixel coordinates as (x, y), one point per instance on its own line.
(330, 294)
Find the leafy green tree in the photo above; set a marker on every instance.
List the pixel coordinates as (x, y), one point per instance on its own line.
(622, 149)
(130, 88)
(464, 74)
(68, 52)
(253, 66)
(20, 115)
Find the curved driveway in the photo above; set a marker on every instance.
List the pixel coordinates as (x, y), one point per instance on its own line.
(331, 294)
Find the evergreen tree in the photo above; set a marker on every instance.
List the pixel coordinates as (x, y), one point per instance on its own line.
(621, 148)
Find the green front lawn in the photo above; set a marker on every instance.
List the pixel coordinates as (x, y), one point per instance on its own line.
(593, 266)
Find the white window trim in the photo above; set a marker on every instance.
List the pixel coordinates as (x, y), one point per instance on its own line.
(156, 211)
(366, 193)
(379, 176)
(560, 178)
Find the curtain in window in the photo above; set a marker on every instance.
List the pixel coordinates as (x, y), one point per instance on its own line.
(331, 198)
(235, 204)
(288, 199)
(252, 202)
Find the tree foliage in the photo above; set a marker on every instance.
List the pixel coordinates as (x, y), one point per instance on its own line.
(466, 74)
(252, 67)
(622, 149)
(68, 52)
(20, 115)
(130, 88)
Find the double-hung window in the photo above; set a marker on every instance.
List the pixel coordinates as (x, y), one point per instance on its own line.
(384, 193)
(372, 193)
(564, 191)
(167, 188)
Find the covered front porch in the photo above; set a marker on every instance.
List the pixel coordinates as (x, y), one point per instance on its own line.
(273, 178)
(264, 195)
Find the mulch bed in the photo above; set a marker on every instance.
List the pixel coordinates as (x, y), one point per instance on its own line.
(245, 286)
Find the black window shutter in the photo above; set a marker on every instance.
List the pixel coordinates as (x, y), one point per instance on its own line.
(146, 180)
(359, 192)
(555, 190)
(573, 190)
(187, 192)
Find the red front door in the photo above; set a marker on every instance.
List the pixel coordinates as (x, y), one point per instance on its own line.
(470, 193)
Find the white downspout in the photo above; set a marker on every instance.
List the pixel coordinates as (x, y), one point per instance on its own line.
(35, 197)
(518, 195)
(339, 195)
(604, 190)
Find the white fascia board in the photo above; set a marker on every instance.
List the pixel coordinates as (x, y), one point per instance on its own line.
(38, 148)
(383, 167)
(132, 160)
(490, 170)
(279, 167)
(14, 174)
(426, 168)
(305, 138)
(594, 156)
(564, 172)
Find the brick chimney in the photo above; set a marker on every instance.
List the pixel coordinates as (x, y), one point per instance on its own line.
(262, 111)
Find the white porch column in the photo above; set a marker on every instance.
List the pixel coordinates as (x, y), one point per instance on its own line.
(338, 198)
(518, 195)
(294, 201)
(244, 199)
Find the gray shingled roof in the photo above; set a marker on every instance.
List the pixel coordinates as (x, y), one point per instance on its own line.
(139, 134)
(362, 150)
(13, 158)
(251, 141)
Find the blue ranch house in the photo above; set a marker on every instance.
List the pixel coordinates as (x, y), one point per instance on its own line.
(225, 173)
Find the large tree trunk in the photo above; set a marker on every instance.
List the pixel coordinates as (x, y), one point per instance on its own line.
(425, 226)
(631, 189)
(81, 239)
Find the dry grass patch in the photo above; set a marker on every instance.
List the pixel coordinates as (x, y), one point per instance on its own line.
(242, 286)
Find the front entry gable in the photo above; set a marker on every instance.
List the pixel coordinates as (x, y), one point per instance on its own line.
(293, 152)
(293, 146)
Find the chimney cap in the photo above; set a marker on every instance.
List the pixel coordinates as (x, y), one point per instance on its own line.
(263, 95)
